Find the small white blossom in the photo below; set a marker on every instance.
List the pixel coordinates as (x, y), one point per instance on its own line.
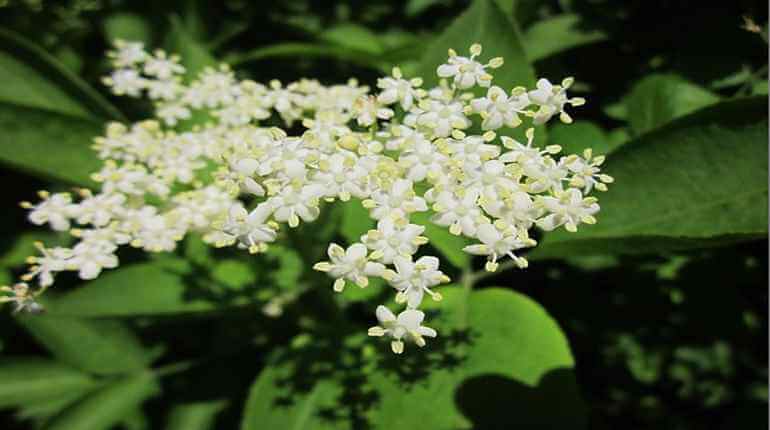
(393, 238)
(552, 99)
(408, 325)
(413, 279)
(568, 208)
(397, 89)
(496, 244)
(54, 209)
(351, 265)
(498, 109)
(466, 71)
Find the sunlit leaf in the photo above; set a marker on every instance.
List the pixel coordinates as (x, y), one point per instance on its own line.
(495, 349)
(166, 287)
(46, 66)
(195, 416)
(102, 347)
(483, 22)
(127, 26)
(107, 406)
(700, 181)
(658, 99)
(557, 34)
(27, 380)
(48, 144)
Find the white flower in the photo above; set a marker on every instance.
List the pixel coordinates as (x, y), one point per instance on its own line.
(293, 204)
(54, 209)
(407, 326)
(413, 279)
(498, 109)
(467, 72)
(368, 111)
(162, 66)
(342, 176)
(22, 298)
(350, 264)
(127, 54)
(422, 159)
(459, 211)
(251, 230)
(171, 113)
(442, 117)
(396, 89)
(399, 200)
(44, 267)
(393, 238)
(126, 82)
(90, 258)
(496, 243)
(568, 208)
(585, 171)
(98, 210)
(552, 99)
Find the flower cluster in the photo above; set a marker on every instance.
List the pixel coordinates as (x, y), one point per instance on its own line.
(398, 151)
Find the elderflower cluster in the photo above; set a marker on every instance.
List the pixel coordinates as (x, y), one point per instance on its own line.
(397, 151)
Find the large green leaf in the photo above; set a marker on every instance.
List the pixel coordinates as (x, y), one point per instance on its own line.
(496, 350)
(195, 416)
(43, 82)
(311, 50)
(354, 37)
(105, 407)
(26, 380)
(192, 51)
(127, 26)
(102, 347)
(23, 245)
(164, 287)
(556, 34)
(576, 137)
(658, 99)
(450, 246)
(483, 22)
(355, 221)
(24, 86)
(48, 144)
(700, 181)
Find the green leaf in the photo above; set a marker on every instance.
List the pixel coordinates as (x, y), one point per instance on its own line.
(355, 221)
(26, 380)
(701, 181)
(449, 245)
(47, 65)
(165, 287)
(107, 406)
(195, 416)
(576, 137)
(24, 86)
(496, 348)
(48, 144)
(101, 347)
(658, 99)
(311, 50)
(24, 245)
(557, 34)
(483, 22)
(127, 26)
(193, 52)
(195, 57)
(353, 37)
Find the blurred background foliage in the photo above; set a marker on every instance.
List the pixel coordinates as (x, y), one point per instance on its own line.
(663, 304)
